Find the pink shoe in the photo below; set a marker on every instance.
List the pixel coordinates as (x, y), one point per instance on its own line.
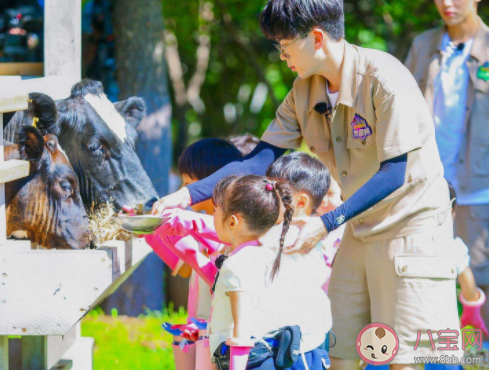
(471, 314)
(240, 351)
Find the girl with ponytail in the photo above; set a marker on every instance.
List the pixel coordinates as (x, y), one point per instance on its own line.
(246, 208)
(250, 287)
(257, 285)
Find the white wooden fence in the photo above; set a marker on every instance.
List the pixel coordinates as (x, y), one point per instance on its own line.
(45, 293)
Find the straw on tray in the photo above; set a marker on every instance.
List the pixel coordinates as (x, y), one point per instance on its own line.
(103, 226)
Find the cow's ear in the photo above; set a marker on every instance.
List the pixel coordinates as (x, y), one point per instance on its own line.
(133, 110)
(42, 113)
(31, 143)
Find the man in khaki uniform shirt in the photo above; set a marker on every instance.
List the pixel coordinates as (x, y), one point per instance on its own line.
(392, 266)
(467, 153)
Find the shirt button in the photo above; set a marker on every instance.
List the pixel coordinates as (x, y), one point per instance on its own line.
(461, 161)
(344, 173)
(361, 221)
(338, 139)
(404, 268)
(363, 142)
(467, 108)
(463, 188)
(453, 271)
(313, 149)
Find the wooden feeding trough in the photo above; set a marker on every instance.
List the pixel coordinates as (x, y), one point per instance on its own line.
(45, 293)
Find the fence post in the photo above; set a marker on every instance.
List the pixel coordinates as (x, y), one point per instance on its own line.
(34, 352)
(3, 352)
(62, 38)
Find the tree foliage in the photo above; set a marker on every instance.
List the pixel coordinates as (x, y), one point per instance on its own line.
(243, 63)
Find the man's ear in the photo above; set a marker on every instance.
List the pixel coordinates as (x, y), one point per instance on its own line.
(133, 110)
(31, 143)
(318, 38)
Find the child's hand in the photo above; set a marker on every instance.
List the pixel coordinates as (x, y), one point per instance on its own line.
(179, 199)
(312, 230)
(179, 224)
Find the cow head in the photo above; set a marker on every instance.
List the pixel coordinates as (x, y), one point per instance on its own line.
(99, 139)
(46, 206)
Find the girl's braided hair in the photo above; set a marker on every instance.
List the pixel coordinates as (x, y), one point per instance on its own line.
(258, 201)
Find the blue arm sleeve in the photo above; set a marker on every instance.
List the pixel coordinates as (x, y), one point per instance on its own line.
(255, 163)
(388, 178)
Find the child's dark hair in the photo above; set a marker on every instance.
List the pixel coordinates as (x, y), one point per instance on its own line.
(453, 196)
(304, 174)
(206, 156)
(245, 143)
(257, 200)
(287, 19)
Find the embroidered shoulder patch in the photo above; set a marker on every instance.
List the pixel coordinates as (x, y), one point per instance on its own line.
(361, 129)
(483, 72)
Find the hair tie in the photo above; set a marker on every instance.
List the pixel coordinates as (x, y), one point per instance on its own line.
(269, 184)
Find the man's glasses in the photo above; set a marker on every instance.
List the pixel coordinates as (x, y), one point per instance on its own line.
(281, 48)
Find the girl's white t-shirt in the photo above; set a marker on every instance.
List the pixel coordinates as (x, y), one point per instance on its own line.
(295, 296)
(244, 271)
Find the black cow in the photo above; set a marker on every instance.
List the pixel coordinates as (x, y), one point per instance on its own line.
(99, 139)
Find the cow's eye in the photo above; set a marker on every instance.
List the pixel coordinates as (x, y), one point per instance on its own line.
(95, 146)
(66, 186)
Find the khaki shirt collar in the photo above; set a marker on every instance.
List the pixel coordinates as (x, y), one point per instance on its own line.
(478, 47)
(478, 50)
(348, 84)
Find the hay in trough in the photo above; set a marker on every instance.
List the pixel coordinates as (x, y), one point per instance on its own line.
(103, 226)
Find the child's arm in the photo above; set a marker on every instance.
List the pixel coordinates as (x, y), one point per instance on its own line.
(167, 255)
(242, 314)
(467, 283)
(241, 343)
(187, 250)
(198, 225)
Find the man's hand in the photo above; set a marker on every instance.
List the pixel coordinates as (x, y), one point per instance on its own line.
(179, 199)
(312, 230)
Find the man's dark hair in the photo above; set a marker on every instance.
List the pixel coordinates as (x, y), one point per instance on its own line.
(206, 156)
(304, 174)
(287, 19)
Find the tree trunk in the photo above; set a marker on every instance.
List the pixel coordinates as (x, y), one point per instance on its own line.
(141, 71)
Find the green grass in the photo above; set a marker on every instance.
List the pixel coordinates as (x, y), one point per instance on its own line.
(123, 342)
